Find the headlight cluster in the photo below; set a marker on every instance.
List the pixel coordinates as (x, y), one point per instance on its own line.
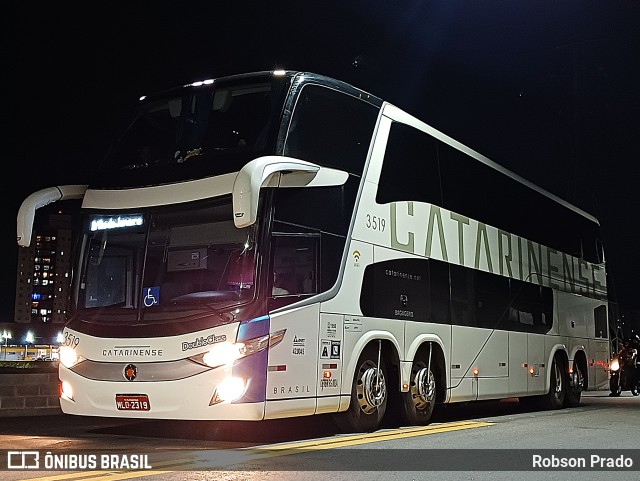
(226, 353)
(615, 364)
(69, 357)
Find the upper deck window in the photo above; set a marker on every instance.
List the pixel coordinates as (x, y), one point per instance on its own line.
(331, 128)
(196, 132)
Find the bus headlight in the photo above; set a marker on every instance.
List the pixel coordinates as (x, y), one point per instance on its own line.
(223, 354)
(69, 357)
(226, 353)
(615, 364)
(229, 390)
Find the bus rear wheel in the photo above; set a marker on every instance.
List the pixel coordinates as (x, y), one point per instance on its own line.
(419, 401)
(369, 394)
(574, 387)
(554, 399)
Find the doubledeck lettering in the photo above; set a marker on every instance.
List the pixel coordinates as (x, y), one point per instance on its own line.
(203, 341)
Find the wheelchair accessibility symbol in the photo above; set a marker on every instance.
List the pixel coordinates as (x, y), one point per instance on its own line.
(151, 296)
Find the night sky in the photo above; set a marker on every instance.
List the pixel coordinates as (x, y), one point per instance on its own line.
(549, 89)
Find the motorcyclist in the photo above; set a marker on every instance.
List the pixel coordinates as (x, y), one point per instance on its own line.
(627, 375)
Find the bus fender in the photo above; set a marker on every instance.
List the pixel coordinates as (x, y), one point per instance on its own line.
(370, 336)
(575, 350)
(405, 371)
(552, 354)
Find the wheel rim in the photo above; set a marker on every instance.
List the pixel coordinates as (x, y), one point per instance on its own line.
(576, 380)
(371, 388)
(423, 388)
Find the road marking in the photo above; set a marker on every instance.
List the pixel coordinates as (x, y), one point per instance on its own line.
(354, 440)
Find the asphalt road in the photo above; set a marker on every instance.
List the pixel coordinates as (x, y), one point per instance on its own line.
(485, 440)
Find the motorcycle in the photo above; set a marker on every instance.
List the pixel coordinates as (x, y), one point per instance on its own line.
(625, 369)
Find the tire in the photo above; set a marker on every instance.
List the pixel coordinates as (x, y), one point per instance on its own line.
(614, 386)
(369, 395)
(554, 399)
(418, 403)
(575, 385)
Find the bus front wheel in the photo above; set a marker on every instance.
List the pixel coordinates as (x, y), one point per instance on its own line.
(369, 394)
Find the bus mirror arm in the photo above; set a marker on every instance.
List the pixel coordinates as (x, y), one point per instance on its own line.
(27, 211)
(276, 171)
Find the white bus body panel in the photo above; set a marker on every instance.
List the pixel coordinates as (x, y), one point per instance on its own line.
(518, 370)
(292, 383)
(539, 347)
(598, 364)
(330, 355)
(160, 194)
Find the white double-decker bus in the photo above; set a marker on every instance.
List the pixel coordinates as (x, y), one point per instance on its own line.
(283, 244)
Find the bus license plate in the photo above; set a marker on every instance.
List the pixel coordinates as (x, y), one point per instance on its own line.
(132, 402)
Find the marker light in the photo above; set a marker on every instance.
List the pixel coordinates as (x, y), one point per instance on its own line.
(475, 372)
(66, 391)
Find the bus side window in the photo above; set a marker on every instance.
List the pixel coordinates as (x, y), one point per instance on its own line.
(295, 261)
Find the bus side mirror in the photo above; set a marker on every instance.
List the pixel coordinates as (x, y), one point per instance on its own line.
(27, 211)
(276, 171)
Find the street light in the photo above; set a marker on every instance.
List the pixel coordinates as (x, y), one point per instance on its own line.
(6, 335)
(29, 338)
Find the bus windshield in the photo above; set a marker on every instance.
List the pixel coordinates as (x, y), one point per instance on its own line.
(193, 132)
(169, 256)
